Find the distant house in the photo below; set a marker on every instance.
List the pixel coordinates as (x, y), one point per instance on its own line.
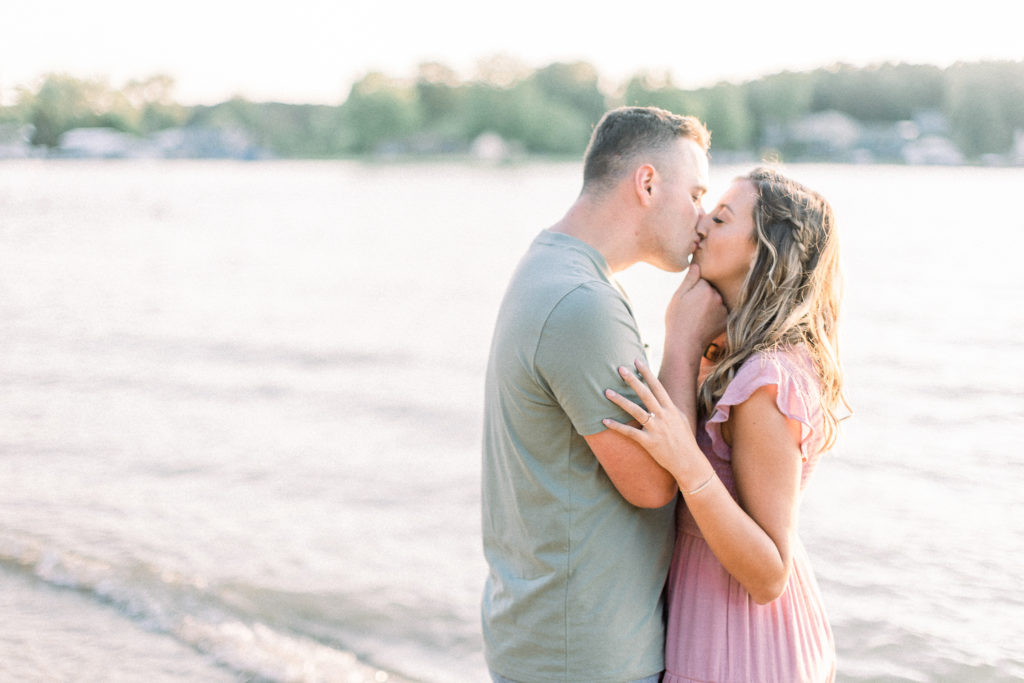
(174, 143)
(885, 140)
(932, 149)
(200, 142)
(931, 122)
(825, 134)
(14, 141)
(834, 136)
(102, 143)
(490, 146)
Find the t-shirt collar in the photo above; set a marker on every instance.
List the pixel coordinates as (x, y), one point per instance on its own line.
(561, 239)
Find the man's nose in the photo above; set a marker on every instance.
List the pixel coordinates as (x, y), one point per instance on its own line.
(702, 225)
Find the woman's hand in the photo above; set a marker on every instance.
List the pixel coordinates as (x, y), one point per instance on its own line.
(664, 431)
(694, 317)
(695, 313)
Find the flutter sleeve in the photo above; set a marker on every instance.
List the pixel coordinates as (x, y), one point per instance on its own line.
(797, 397)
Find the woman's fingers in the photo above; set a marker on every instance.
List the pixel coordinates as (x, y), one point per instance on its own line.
(638, 413)
(655, 386)
(633, 433)
(691, 278)
(642, 390)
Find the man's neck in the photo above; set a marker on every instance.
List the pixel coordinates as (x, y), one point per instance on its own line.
(607, 230)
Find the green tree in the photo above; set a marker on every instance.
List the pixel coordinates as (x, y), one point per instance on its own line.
(1011, 79)
(886, 92)
(62, 103)
(775, 101)
(651, 90)
(910, 88)
(779, 99)
(288, 130)
(523, 113)
(439, 93)
(728, 117)
(980, 113)
(379, 110)
(547, 125)
(575, 86)
(153, 100)
(237, 112)
(443, 105)
(300, 130)
(486, 108)
(20, 111)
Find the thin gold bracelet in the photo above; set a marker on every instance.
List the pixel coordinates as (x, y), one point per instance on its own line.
(701, 487)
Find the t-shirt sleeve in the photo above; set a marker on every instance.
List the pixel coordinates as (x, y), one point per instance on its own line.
(589, 334)
(797, 398)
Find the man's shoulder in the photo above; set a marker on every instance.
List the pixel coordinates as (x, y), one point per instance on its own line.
(567, 283)
(592, 320)
(587, 298)
(564, 258)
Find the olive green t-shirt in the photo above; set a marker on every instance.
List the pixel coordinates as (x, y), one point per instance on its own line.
(576, 576)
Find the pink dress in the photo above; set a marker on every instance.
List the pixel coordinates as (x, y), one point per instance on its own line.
(716, 632)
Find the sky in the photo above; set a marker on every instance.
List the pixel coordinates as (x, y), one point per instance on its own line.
(311, 51)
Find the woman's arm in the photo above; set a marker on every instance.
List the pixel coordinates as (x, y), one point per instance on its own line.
(753, 538)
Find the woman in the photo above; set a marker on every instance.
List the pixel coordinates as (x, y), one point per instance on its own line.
(743, 602)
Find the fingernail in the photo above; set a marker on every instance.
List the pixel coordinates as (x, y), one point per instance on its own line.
(609, 393)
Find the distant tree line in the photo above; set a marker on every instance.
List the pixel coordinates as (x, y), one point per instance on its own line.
(545, 111)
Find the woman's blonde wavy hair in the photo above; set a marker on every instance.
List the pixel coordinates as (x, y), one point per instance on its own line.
(790, 296)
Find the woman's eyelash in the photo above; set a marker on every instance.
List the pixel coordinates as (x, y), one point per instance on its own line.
(718, 220)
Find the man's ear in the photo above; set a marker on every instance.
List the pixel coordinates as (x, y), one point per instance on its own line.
(644, 178)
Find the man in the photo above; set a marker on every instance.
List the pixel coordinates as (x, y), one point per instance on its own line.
(578, 520)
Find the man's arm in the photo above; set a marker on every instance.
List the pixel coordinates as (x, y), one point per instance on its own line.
(641, 480)
(635, 474)
(695, 316)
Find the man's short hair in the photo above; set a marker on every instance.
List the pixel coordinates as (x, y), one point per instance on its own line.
(627, 133)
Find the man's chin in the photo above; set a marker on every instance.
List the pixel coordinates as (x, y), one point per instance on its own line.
(672, 263)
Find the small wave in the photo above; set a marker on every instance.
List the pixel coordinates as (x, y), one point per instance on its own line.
(257, 649)
(179, 607)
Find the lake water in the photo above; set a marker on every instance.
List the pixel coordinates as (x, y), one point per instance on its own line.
(240, 413)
